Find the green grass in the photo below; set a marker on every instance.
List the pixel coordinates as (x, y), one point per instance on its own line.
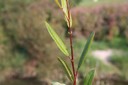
(101, 2)
(121, 62)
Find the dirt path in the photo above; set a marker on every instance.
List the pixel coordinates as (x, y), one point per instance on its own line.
(103, 55)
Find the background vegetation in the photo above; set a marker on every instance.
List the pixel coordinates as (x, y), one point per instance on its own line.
(26, 47)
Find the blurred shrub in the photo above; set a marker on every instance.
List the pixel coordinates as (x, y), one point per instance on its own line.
(107, 21)
(22, 23)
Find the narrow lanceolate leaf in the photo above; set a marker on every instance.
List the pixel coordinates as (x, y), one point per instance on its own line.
(69, 22)
(57, 40)
(57, 2)
(86, 48)
(66, 69)
(64, 6)
(89, 78)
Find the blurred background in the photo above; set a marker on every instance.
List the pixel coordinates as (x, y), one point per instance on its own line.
(28, 55)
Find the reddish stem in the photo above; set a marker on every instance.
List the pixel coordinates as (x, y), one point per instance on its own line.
(71, 45)
(72, 56)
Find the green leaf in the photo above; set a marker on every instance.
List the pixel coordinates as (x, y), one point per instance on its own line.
(86, 48)
(88, 79)
(57, 40)
(64, 6)
(70, 21)
(57, 2)
(66, 69)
